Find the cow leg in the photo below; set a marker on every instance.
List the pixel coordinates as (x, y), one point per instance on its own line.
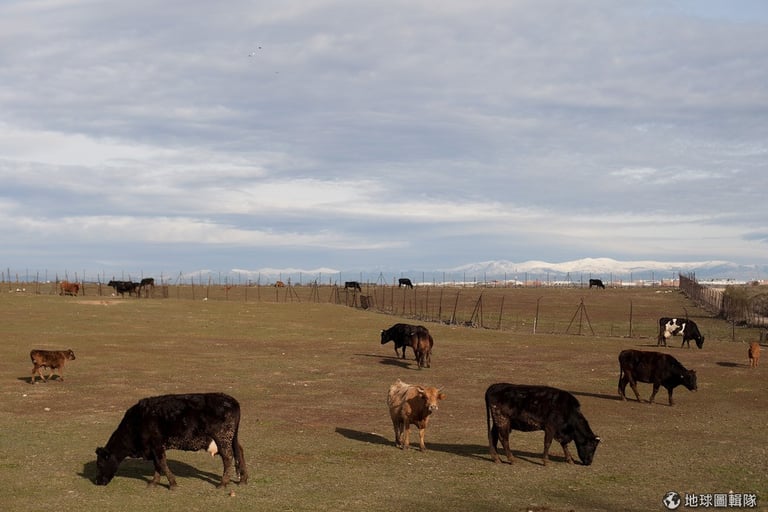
(493, 440)
(422, 431)
(161, 467)
(227, 457)
(622, 386)
(633, 384)
(406, 437)
(397, 425)
(669, 390)
(504, 437)
(549, 435)
(566, 453)
(653, 394)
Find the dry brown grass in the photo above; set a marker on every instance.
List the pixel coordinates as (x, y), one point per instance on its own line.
(312, 378)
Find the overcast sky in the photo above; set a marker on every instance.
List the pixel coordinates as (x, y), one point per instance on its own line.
(172, 136)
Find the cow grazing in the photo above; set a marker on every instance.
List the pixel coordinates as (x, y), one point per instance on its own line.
(353, 284)
(67, 288)
(688, 329)
(146, 284)
(404, 281)
(122, 287)
(597, 283)
(656, 368)
(279, 284)
(191, 422)
(52, 359)
(530, 408)
(411, 404)
(754, 354)
(415, 336)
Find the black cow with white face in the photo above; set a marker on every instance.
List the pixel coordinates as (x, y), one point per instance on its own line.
(688, 329)
(656, 368)
(191, 422)
(529, 408)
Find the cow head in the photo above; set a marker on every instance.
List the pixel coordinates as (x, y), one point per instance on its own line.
(431, 396)
(107, 464)
(586, 449)
(689, 380)
(700, 341)
(70, 355)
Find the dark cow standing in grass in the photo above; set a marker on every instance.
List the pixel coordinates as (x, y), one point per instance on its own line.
(656, 368)
(67, 288)
(415, 336)
(52, 359)
(404, 281)
(352, 284)
(529, 408)
(688, 329)
(191, 422)
(598, 283)
(146, 284)
(122, 287)
(411, 405)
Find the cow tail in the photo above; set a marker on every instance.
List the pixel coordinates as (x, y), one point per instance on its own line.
(488, 416)
(237, 450)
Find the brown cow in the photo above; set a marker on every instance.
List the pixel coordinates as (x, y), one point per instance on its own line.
(68, 288)
(53, 359)
(411, 404)
(279, 284)
(754, 354)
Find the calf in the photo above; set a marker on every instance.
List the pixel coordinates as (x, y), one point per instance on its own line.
(415, 336)
(529, 408)
(669, 327)
(656, 368)
(68, 288)
(191, 422)
(52, 359)
(410, 404)
(754, 354)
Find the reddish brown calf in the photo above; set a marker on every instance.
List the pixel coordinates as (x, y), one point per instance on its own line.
(52, 359)
(754, 354)
(410, 404)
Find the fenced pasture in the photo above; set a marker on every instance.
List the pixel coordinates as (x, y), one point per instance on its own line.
(312, 377)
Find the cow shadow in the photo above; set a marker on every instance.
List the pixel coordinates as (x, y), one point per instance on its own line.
(474, 451)
(392, 360)
(143, 470)
(730, 364)
(602, 396)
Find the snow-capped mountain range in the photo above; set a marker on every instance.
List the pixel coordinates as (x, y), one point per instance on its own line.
(605, 267)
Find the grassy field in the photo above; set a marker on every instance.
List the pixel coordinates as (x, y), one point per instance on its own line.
(311, 377)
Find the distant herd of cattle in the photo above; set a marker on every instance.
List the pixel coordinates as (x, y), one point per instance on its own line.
(121, 287)
(210, 421)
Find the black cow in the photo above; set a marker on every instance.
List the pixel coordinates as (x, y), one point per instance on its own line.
(415, 336)
(122, 287)
(669, 327)
(352, 284)
(529, 408)
(656, 368)
(404, 281)
(190, 422)
(597, 283)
